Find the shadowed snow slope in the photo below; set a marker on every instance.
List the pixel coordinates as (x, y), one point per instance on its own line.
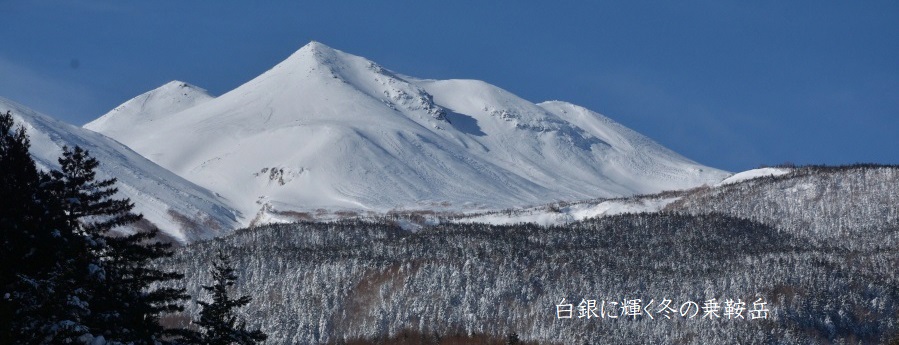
(178, 207)
(326, 129)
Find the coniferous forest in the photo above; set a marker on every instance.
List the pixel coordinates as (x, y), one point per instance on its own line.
(804, 258)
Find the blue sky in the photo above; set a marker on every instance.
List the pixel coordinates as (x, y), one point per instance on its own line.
(731, 84)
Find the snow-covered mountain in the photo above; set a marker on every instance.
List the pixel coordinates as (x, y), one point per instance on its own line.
(153, 105)
(329, 130)
(181, 209)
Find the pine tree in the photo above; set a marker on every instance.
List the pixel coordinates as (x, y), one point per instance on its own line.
(218, 324)
(39, 300)
(18, 178)
(89, 203)
(65, 274)
(125, 308)
(131, 310)
(512, 339)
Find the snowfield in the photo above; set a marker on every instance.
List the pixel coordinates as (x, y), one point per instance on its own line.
(329, 130)
(549, 215)
(754, 173)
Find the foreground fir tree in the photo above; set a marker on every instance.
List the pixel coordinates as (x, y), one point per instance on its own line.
(126, 307)
(41, 256)
(65, 276)
(17, 185)
(89, 203)
(135, 301)
(218, 322)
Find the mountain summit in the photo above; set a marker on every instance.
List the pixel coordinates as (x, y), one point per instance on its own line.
(329, 130)
(150, 106)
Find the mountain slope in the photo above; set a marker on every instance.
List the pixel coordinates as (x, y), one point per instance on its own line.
(181, 209)
(326, 129)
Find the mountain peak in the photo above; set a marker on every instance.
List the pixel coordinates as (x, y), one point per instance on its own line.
(152, 105)
(177, 84)
(314, 53)
(316, 46)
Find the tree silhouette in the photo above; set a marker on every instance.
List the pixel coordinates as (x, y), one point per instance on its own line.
(43, 258)
(218, 322)
(65, 275)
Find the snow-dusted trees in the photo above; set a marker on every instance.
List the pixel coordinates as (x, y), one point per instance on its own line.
(218, 323)
(340, 281)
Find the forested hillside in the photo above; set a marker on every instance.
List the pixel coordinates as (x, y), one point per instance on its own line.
(850, 206)
(316, 282)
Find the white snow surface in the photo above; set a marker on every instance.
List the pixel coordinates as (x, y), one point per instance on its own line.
(754, 173)
(329, 130)
(545, 215)
(181, 209)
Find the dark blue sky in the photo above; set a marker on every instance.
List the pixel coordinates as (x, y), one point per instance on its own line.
(731, 84)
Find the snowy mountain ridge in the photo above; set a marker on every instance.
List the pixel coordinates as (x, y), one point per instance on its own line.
(329, 130)
(182, 210)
